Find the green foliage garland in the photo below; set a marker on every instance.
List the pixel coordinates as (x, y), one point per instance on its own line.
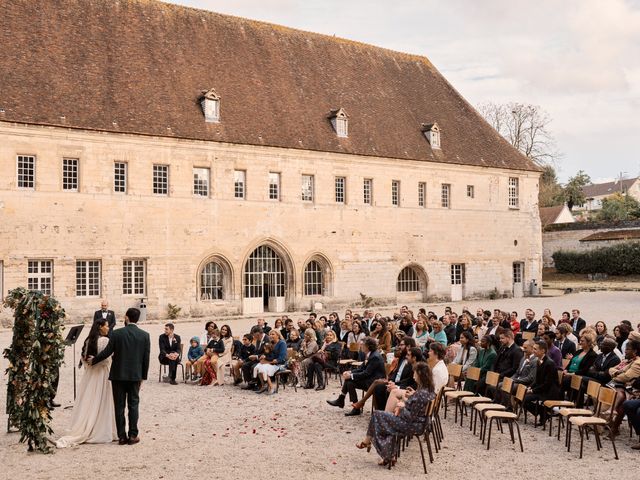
(35, 356)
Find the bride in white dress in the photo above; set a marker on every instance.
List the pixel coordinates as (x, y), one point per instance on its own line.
(93, 419)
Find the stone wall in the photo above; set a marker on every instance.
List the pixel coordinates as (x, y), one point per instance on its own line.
(365, 246)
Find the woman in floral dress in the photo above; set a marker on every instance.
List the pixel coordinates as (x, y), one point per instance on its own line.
(409, 417)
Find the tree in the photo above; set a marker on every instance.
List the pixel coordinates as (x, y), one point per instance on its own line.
(573, 193)
(526, 127)
(619, 207)
(550, 192)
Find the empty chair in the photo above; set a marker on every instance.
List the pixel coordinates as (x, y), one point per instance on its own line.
(606, 400)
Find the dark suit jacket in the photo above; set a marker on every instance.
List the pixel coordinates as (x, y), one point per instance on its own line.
(587, 362)
(450, 332)
(526, 372)
(508, 361)
(166, 348)
(406, 378)
(130, 347)
(217, 346)
(547, 384)
(111, 318)
(260, 345)
(568, 347)
(525, 326)
(370, 370)
(578, 326)
(599, 371)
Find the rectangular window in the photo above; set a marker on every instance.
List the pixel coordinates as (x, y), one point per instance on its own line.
(70, 174)
(307, 188)
(422, 193)
(514, 192)
(201, 182)
(445, 198)
(134, 275)
(457, 274)
(239, 179)
(120, 177)
(26, 171)
(88, 278)
(367, 191)
(471, 191)
(274, 186)
(40, 276)
(395, 192)
(517, 272)
(161, 179)
(341, 188)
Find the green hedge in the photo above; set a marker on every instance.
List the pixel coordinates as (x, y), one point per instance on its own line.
(622, 259)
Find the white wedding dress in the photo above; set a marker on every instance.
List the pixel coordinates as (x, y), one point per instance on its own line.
(93, 419)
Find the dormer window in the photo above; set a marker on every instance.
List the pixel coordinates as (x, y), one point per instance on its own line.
(340, 122)
(431, 132)
(210, 103)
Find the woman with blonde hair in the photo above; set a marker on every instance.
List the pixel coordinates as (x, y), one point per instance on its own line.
(327, 357)
(308, 348)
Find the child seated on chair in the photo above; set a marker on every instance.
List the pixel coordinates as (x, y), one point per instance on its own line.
(195, 353)
(247, 349)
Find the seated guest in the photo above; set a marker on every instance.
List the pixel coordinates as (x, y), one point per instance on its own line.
(343, 332)
(601, 332)
(225, 357)
(484, 361)
(406, 325)
(326, 357)
(206, 338)
(170, 351)
(564, 344)
(396, 393)
(401, 374)
(581, 362)
(263, 325)
(546, 385)
(260, 339)
(408, 419)
(301, 362)
(362, 377)
(507, 359)
(529, 322)
(245, 351)
(439, 370)
(542, 329)
(318, 326)
(494, 327)
(421, 332)
(525, 374)
(623, 377)
(288, 328)
(293, 340)
(514, 324)
(464, 325)
(437, 334)
(279, 324)
(382, 335)
(467, 354)
(553, 352)
(211, 355)
(356, 335)
(270, 363)
(631, 409)
(480, 328)
(193, 355)
(548, 322)
(605, 360)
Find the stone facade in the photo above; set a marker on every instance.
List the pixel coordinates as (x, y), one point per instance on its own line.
(361, 248)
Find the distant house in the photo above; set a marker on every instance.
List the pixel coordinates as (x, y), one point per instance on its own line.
(594, 194)
(557, 214)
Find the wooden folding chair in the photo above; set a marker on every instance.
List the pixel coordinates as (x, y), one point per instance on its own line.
(528, 335)
(455, 372)
(458, 395)
(500, 416)
(549, 405)
(593, 388)
(473, 373)
(480, 409)
(606, 400)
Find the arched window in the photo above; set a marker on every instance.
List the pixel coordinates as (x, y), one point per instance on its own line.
(408, 280)
(211, 282)
(313, 278)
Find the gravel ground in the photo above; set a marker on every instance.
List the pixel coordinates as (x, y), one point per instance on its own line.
(193, 431)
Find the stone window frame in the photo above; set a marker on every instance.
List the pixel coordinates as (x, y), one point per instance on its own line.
(134, 277)
(120, 174)
(40, 275)
(70, 174)
(88, 278)
(341, 189)
(200, 190)
(274, 188)
(445, 195)
(422, 194)
(471, 191)
(395, 193)
(307, 191)
(240, 184)
(26, 171)
(408, 280)
(457, 273)
(161, 179)
(514, 193)
(367, 191)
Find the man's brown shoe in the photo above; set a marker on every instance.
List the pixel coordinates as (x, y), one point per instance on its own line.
(134, 440)
(123, 441)
(636, 446)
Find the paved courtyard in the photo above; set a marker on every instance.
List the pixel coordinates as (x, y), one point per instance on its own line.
(204, 431)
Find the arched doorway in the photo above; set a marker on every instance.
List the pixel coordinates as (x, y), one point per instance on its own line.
(264, 282)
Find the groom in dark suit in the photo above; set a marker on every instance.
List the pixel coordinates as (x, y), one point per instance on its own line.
(130, 347)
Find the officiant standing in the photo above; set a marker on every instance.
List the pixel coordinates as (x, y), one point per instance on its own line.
(130, 347)
(105, 314)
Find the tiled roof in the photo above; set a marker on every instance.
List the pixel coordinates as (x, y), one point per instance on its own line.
(550, 214)
(608, 188)
(613, 235)
(139, 66)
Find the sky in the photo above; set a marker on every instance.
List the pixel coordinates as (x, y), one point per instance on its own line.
(578, 60)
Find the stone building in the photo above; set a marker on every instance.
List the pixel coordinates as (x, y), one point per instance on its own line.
(225, 165)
